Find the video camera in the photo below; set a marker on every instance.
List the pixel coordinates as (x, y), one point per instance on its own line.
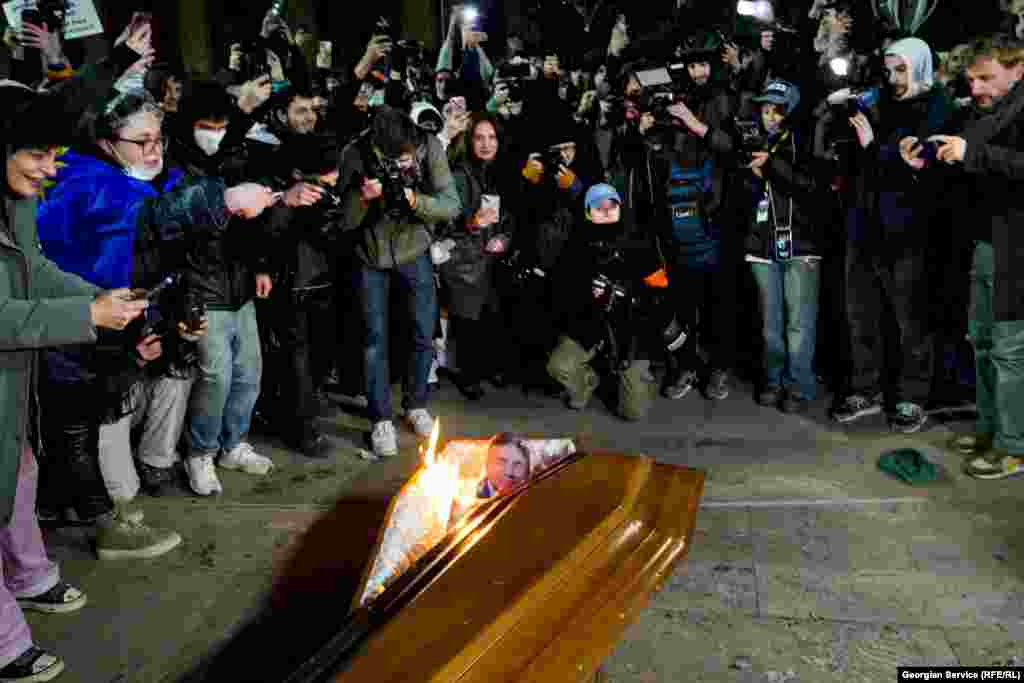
(252, 62)
(169, 305)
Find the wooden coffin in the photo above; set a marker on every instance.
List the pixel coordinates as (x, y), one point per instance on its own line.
(536, 586)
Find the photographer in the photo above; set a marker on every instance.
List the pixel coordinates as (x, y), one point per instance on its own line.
(783, 245)
(702, 245)
(303, 239)
(888, 238)
(118, 219)
(397, 187)
(986, 154)
(600, 310)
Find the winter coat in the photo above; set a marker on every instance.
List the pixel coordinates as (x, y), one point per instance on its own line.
(116, 231)
(41, 307)
(468, 274)
(385, 242)
(994, 164)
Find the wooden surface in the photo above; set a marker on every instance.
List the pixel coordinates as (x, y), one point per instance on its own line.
(545, 590)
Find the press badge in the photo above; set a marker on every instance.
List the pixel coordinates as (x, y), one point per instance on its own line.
(763, 208)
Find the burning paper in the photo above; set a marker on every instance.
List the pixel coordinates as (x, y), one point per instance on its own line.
(441, 492)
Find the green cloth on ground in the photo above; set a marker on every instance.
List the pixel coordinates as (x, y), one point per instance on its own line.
(908, 465)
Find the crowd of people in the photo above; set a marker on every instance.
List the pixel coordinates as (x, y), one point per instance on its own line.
(594, 212)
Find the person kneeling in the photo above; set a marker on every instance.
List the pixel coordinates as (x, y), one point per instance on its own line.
(604, 308)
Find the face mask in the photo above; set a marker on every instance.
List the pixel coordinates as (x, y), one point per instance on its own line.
(209, 140)
(142, 172)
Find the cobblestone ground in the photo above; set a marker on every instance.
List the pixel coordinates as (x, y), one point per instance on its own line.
(809, 564)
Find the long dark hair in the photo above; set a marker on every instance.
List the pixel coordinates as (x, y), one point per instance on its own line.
(476, 119)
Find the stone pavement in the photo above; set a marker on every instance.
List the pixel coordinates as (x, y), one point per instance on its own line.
(809, 564)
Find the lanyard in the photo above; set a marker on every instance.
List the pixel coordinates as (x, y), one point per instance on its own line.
(771, 194)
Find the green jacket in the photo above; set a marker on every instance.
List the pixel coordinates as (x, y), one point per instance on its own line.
(40, 306)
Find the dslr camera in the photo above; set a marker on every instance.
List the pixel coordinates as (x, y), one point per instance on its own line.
(394, 182)
(49, 12)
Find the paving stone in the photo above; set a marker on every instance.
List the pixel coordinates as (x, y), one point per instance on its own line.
(703, 647)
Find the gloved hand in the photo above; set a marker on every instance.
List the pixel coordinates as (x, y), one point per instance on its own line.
(533, 171)
(566, 178)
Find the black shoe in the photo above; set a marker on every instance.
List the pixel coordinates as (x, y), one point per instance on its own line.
(908, 418)
(472, 391)
(770, 395)
(857, 406)
(718, 386)
(795, 404)
(499, 380)
(316, 445)
(33, 665)
(157, 481)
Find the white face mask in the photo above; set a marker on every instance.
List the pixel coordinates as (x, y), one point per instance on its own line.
(141, 172)
(209, 140)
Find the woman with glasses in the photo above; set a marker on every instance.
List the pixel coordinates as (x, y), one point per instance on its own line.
(118, 217)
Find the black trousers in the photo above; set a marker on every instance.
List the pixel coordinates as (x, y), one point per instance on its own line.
(69, 467)
(482, 347)
(705, 302)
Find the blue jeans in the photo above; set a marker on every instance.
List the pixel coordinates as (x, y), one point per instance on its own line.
(417, 281)
(789, 308)
(999, 356)
(228, 381)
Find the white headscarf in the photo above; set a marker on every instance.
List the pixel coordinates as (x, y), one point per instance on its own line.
(918, 56)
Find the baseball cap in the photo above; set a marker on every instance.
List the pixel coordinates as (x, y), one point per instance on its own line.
(780, 92)
(599, 193)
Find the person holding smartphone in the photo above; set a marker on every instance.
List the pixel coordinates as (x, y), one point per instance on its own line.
(481, 233)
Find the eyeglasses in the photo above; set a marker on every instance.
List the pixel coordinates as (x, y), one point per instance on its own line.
(148, 146)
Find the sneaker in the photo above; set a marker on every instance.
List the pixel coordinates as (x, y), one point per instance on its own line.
(60, 599)
(770, 395)
(718, 386)
(315, 445)
(795, 404)
(384, 439)
(120, 539)
(202, 476)
(682, 386)
(243, 457)
(856, 407)
(972, 444)
(421, 421)
(157, 481)
(908, 418)
(995, 465)
(32, 666)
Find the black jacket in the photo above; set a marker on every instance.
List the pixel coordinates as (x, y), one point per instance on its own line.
(994, 164)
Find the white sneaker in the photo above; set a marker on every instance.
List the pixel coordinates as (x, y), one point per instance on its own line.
(202, 477)
(384, 439)
(243, 457)
(421, 421)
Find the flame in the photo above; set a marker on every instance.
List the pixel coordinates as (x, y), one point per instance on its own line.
(440, 479)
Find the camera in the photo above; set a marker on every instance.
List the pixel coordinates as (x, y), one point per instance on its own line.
(394, 182)
(751, 139)
(49, 12)
(169, 305)
(252, 62)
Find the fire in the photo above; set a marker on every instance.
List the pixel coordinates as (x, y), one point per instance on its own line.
(440, 479)
(450, 495)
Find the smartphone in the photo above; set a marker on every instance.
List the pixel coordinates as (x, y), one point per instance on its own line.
(459, 104)
(491, 201)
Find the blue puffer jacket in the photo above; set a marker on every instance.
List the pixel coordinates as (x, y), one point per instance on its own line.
(89, 222)
(116, 231)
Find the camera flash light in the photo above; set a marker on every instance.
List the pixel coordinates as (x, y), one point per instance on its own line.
(840, 66)
(470, 14)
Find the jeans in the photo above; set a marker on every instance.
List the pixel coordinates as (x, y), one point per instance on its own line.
(25, 568)
(999, 358)
(789, 309)
(417, 280)
(228, 382)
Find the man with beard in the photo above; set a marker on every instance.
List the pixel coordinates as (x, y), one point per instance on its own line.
(989, 153)
(885, 259)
